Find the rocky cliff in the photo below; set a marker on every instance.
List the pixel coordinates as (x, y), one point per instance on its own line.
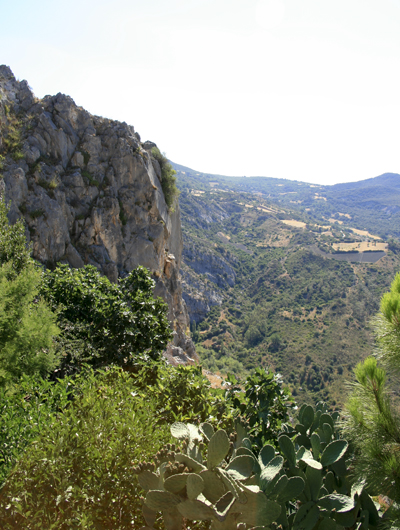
(90, 193)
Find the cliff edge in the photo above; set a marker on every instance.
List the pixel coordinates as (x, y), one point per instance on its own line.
(90, 193)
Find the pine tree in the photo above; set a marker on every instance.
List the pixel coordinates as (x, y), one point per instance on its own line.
(372, 411)
(27, 325)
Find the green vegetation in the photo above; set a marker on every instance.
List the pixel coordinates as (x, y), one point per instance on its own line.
(79, 471)
(12, 135)
(13, 246)
(103, 322)
(168, 179)
(48, 185)
(262, 403)
(287, 307)
(92, 181)
(215, 476)
(372, 419)
(27, 408)
(27, 324)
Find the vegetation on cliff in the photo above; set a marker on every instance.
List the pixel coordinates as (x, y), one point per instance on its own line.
(168, 178)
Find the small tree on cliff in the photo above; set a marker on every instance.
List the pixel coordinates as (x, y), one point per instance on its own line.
(168, 178)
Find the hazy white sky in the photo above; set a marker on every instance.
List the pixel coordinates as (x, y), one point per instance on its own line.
(300, 89)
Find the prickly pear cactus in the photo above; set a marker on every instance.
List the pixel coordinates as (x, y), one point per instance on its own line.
(213, 476)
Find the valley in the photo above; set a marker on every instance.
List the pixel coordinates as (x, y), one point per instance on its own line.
(275, 283)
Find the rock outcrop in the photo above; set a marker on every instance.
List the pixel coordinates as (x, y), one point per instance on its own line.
(200, 294)
(90, 193)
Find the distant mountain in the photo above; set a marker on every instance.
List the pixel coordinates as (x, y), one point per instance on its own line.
(372, 204)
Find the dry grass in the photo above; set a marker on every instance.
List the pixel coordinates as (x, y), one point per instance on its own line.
(292, 222)
(221, 234)
(360, 246)
(364, 233)
(344, 215)
(216, 380)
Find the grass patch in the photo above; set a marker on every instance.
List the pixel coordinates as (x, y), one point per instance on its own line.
(92, 181)
(52, 185)
(36, 213)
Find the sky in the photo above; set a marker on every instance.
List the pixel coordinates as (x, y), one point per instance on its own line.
(298, 89)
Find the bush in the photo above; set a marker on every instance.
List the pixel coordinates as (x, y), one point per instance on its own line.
(264, 405)
(79, 471)
(25, 411)
(168, 179)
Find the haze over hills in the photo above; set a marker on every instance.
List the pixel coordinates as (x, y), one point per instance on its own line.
(287, 274)
(371, 204)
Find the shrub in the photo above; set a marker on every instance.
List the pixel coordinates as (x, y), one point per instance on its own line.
(263, 403)
(25, 411)
(168, 179)
(79, 471)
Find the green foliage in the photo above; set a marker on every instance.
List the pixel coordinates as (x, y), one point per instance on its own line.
(264, 405)
(27, 325)
(26, 410)
(13, 246)
(12, 136)
(183, 393)
(213, 476)
(103, 322)
(92, 181)
(122, 214)
(372, 420)
(78, 473)
(36, 213)
(168, 179)
(48, 185)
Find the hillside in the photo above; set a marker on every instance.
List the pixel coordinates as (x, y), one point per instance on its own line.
(371, 205)
(270, 283)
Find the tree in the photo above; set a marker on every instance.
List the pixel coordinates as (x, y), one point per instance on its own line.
(105, 322)
(372, 419)
(27, 325)
(13, 245)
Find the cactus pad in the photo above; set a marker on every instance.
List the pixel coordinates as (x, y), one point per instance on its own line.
(161, 500)
(240, 467)
(333, 452)
(194, 486)
(218, 448)
(180, 431)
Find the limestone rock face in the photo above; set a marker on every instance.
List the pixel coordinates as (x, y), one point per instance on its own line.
(199, 294)
(90, 193)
